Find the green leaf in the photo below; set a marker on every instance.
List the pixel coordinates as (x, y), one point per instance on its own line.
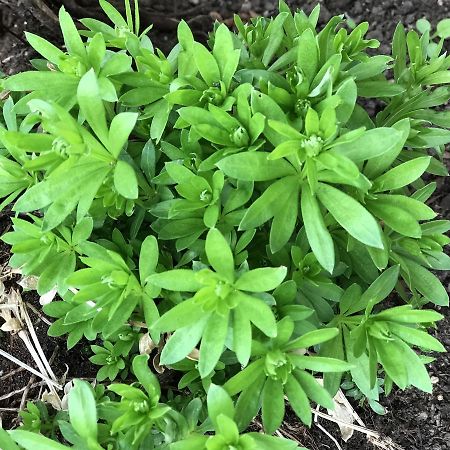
(285, 220)
(313, 389)
(213, 342)
(399, 50)
(380, 288)
(396, 218)
(275, 37)
(312, 122)
(226, 57)
(82, 230)
(183, 341)
(265, 442)
(392, 357)
(91, 106)
(268, 204)
(348, 93)
(360, 370)
(219, 402)
(33, 441)
(262, 279)
(145, 376)
(319, 237)
(72, 38)
(42, 81)
(312, 338)
(193, 442)
(416, 337)
(418, 209)
(245, 378)
(406, 314)
(113, 14)
(371, 144)
(441, 77)
(206, 64)
(351, 215)
(377, 89)
(370, 67)
(45, 48)
(423, 25)
(443, 28)
(425, 282)
(219, 254)
(272, 405)
(254, 166)
(319, 363)
(258, 313)
(402, 175)
(182, 315)
(417, 373)
(242, 337)
(298, 400)
(248, 404)
(125, 180)
(376, 166)
(83, 410)
(6, 442)
(307, 45)
(181, 280)
(96, 51)
(148, 257)
(121, 127)
(286, 130)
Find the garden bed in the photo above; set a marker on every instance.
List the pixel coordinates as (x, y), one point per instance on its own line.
(414, 420)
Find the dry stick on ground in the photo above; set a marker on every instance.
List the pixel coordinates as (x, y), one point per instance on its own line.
(372, 436)
(325, 431)
(26, 392)
(22, 325)
(29, 368)
(31, 383)
(32, 331)
(39, 314)
(11, 373)
(36, 350)
(279, 433)
(21, 390)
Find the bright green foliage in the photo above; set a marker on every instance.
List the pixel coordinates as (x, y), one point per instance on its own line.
(231, 209)
(110, 358)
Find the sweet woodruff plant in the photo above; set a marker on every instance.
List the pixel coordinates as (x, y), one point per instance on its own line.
(232, 210)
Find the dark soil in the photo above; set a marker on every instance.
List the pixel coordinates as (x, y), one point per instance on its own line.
(414, 420)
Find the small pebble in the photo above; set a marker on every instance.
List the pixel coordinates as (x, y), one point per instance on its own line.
(407, 6)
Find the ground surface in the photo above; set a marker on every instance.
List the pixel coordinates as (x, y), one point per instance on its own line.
(414, 421)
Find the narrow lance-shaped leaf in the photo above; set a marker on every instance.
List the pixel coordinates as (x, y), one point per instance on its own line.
(91, 106)
(351, 215)
(213, 342)
(319, 237)
(219, 254)
(261, 280)
(125, 180)
(83, 410)
(254, 166)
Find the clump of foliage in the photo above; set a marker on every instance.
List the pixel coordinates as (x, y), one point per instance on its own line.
(234, 206)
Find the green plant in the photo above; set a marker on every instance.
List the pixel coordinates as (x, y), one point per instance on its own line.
(237, 203)
(110, 359)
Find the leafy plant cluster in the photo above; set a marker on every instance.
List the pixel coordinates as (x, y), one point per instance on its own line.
(233, 211)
